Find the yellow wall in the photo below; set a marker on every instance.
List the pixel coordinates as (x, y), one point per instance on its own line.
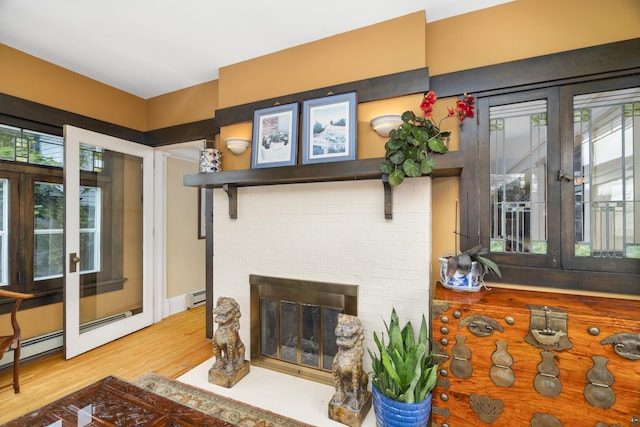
(527, 28)
(188, 105)
(367, 52)
(30, 78)
(185, 268)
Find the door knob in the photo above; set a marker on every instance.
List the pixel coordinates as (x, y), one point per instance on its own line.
(74, 259)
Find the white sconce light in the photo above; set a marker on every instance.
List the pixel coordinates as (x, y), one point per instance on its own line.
(237, 145)
(385, 123)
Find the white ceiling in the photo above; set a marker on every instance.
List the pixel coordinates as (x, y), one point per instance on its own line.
(152, 47)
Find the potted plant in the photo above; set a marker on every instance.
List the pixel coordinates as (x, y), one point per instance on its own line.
(403, 375)
(466, 271)
(409, 150)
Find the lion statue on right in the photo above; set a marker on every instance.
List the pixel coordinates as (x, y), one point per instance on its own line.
(348, 377)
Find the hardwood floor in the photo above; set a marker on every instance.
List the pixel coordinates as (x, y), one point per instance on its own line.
(171, 347)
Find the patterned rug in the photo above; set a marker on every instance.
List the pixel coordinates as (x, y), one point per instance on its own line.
(229, 410)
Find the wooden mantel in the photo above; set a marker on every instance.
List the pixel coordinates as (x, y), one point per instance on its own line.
(449, 164)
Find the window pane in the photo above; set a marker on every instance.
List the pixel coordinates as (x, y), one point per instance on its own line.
(90, 225)
(518, 144)
(48, 229)
(606, 187)
(8, 137)
(44, 149)
(48, 256)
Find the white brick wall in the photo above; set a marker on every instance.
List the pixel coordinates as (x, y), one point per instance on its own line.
(331, 232)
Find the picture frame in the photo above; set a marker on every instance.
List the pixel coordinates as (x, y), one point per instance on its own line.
(275, 136)
(202, 215)
(329, 128)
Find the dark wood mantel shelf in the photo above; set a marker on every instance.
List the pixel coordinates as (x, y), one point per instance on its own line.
(449, 164)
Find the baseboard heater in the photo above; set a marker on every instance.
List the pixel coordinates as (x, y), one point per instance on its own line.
(196, 298)
(45, 343)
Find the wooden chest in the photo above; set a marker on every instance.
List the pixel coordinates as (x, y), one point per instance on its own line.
(523, 358)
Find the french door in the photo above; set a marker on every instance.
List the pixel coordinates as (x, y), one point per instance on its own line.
(108, 286)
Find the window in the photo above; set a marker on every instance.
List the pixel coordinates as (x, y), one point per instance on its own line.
(32, 215)
(560, 193)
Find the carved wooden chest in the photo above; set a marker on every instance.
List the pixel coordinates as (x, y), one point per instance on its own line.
(524, 358)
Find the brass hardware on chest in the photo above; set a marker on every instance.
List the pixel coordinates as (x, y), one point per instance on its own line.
(546, 382)
(625, 344)
(501, 373)
(460, 366)
(485, 407)
(598, 392)
(548, 328)
(480, 325)
(523, 358)
(545, 420)
(593, 330)
(440, 355)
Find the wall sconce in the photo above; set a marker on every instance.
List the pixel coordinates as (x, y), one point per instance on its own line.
(385, 123)
(237, 145)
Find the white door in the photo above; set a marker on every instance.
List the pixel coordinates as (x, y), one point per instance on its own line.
(108, 286)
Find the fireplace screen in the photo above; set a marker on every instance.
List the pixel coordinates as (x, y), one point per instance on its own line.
(293, 323)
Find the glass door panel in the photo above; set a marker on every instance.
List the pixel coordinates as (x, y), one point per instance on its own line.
(108, 256)
(606, 184)
(518, 144)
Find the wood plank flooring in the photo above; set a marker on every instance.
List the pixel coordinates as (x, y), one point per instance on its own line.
(171, 347)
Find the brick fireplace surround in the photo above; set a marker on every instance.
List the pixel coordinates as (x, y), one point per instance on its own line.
(329, 232)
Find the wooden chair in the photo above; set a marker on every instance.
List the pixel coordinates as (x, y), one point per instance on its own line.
(12, 342)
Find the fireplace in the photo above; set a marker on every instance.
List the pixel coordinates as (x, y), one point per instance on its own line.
(293, 323)
(332, 232)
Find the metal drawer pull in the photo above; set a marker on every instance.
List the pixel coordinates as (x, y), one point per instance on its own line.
(480, 325)
(625, 344)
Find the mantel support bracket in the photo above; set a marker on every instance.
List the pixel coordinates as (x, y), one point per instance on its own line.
(232, 194)
(388, 198)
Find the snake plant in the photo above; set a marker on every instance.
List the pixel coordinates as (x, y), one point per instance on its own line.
(403, 368)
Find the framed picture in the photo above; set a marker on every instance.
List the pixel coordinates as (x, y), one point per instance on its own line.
(275, 136)
(202, 215)
(329, 129)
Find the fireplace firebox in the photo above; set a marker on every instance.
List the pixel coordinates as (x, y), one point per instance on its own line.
(293, 323)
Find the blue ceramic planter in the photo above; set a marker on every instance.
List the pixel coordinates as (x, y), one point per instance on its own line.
(390, 413)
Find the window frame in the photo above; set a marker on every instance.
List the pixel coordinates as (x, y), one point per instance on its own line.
(22, 177)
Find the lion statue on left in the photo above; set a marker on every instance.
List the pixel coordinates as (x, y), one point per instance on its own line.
(228, 349)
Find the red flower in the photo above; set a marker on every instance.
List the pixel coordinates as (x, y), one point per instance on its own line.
(426, 106)
(465, 107)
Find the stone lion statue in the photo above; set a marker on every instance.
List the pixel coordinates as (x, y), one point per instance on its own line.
(348, 377)
(228, 349)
